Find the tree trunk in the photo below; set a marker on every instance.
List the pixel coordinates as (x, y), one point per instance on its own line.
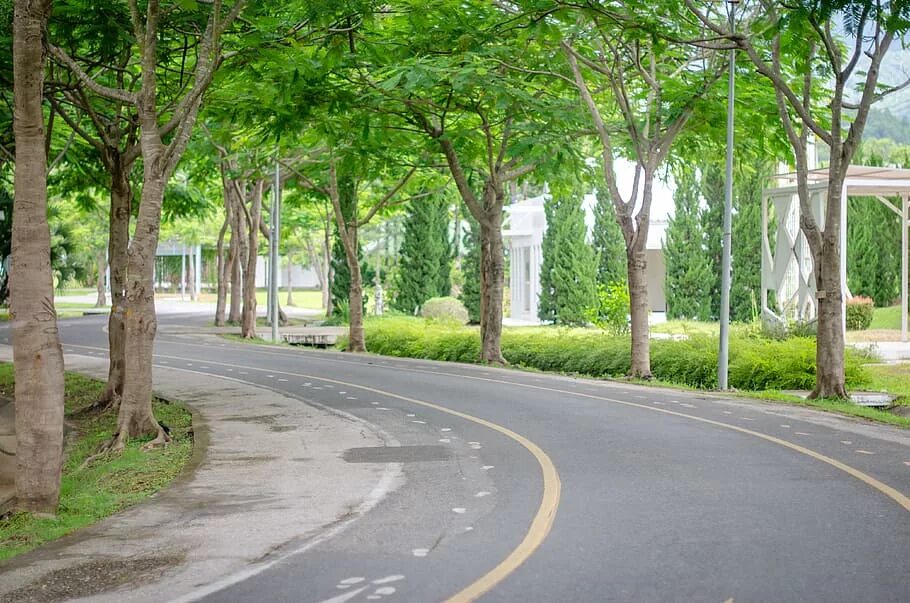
(117, 253)
(222, 272)
(638, 311)
(38, 357)
(290, 300)
(101, 263)
(135, 418)
(191, 275)
(235, 269)
(356, 341)
(248, 318)
(830, 379)
(492, 278)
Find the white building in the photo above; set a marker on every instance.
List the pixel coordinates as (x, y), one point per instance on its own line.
(524, 228)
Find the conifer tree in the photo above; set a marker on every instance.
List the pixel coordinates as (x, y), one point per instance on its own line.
(470, 268)
(568, 274)
(712, 227)
(873, 250)
(689, 280)
(745, 288)
(608, 242)
(425, 262)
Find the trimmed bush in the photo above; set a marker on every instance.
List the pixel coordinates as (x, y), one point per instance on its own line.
(445, 308)
(859, 313)
(755, 363)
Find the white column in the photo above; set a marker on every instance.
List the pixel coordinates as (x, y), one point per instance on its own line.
(198, 271)
(765, 270)
(905, 224)
(843, 258)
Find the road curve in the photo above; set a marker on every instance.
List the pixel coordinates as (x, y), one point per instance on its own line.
(529, 487)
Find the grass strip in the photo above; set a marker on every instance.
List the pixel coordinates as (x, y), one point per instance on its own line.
(110, 483)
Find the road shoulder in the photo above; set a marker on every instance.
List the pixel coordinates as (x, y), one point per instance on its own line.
(267, 479)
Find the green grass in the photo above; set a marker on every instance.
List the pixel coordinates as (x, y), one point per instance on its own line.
(891, 378)
(886, 318)
(108, 484)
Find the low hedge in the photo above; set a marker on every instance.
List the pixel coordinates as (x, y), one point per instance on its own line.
(755, 363)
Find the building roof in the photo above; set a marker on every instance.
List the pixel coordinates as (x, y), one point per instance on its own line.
(860, 180)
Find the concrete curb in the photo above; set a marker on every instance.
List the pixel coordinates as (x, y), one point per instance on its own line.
(254, 492)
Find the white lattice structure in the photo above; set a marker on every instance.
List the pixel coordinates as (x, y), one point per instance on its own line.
(788, 270)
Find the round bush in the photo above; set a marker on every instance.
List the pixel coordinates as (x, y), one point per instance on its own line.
(445, 308)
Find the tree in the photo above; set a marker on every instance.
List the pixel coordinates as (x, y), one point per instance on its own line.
(818, 56)
(162, 146)
(37, 355)
(745, 288)
(608, 242)
(568, 274)
(711, 216)
(655, 90)
(689, 279)
(467, 82)
(425, 259)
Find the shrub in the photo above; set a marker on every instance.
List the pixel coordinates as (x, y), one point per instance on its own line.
(755, 363)
(612, 311)
(445, 308)
(859, 313)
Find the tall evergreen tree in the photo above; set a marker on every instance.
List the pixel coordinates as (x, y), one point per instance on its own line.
(873, 250)
(568, 274)
(689, 280)
(712, 227)
(608, 242)
(745, 289)
(470, 268)
(424, 260)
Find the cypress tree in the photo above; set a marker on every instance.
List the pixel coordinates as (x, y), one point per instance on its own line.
(873, 250)
(712, 227)
(689, 279)
(745, 289)
(470, 268)
(424, 259)
(608, 242)
(569, 271)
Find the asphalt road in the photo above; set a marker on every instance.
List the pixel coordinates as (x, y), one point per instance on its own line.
(528, 487)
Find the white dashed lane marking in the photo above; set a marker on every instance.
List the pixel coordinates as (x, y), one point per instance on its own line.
(864, 452)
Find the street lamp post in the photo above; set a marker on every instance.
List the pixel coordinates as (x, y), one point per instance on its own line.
(724, 351)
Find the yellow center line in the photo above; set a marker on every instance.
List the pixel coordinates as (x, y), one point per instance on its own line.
(540, 524)
(889, 491)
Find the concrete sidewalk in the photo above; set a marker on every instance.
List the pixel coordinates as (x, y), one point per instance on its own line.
(266, 480)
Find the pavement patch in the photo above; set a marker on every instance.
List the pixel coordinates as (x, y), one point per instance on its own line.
(397, 454)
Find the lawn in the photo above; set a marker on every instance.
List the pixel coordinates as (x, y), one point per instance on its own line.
(109, 483)
(886, 318)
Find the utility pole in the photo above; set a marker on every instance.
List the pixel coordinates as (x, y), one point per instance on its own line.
(723, 354)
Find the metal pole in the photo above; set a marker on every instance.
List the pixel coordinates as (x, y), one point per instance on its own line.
(273, 249)
(724, 351)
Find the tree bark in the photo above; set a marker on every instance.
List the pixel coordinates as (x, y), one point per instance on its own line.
(248, 317)
(234, 267)
(191, 276)
(117, 253)
(290, 299)
(135, 417)
(492, 279)
(101, 263)
(356, 340)
(38, 357)
(222, 271)
(637, 264)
